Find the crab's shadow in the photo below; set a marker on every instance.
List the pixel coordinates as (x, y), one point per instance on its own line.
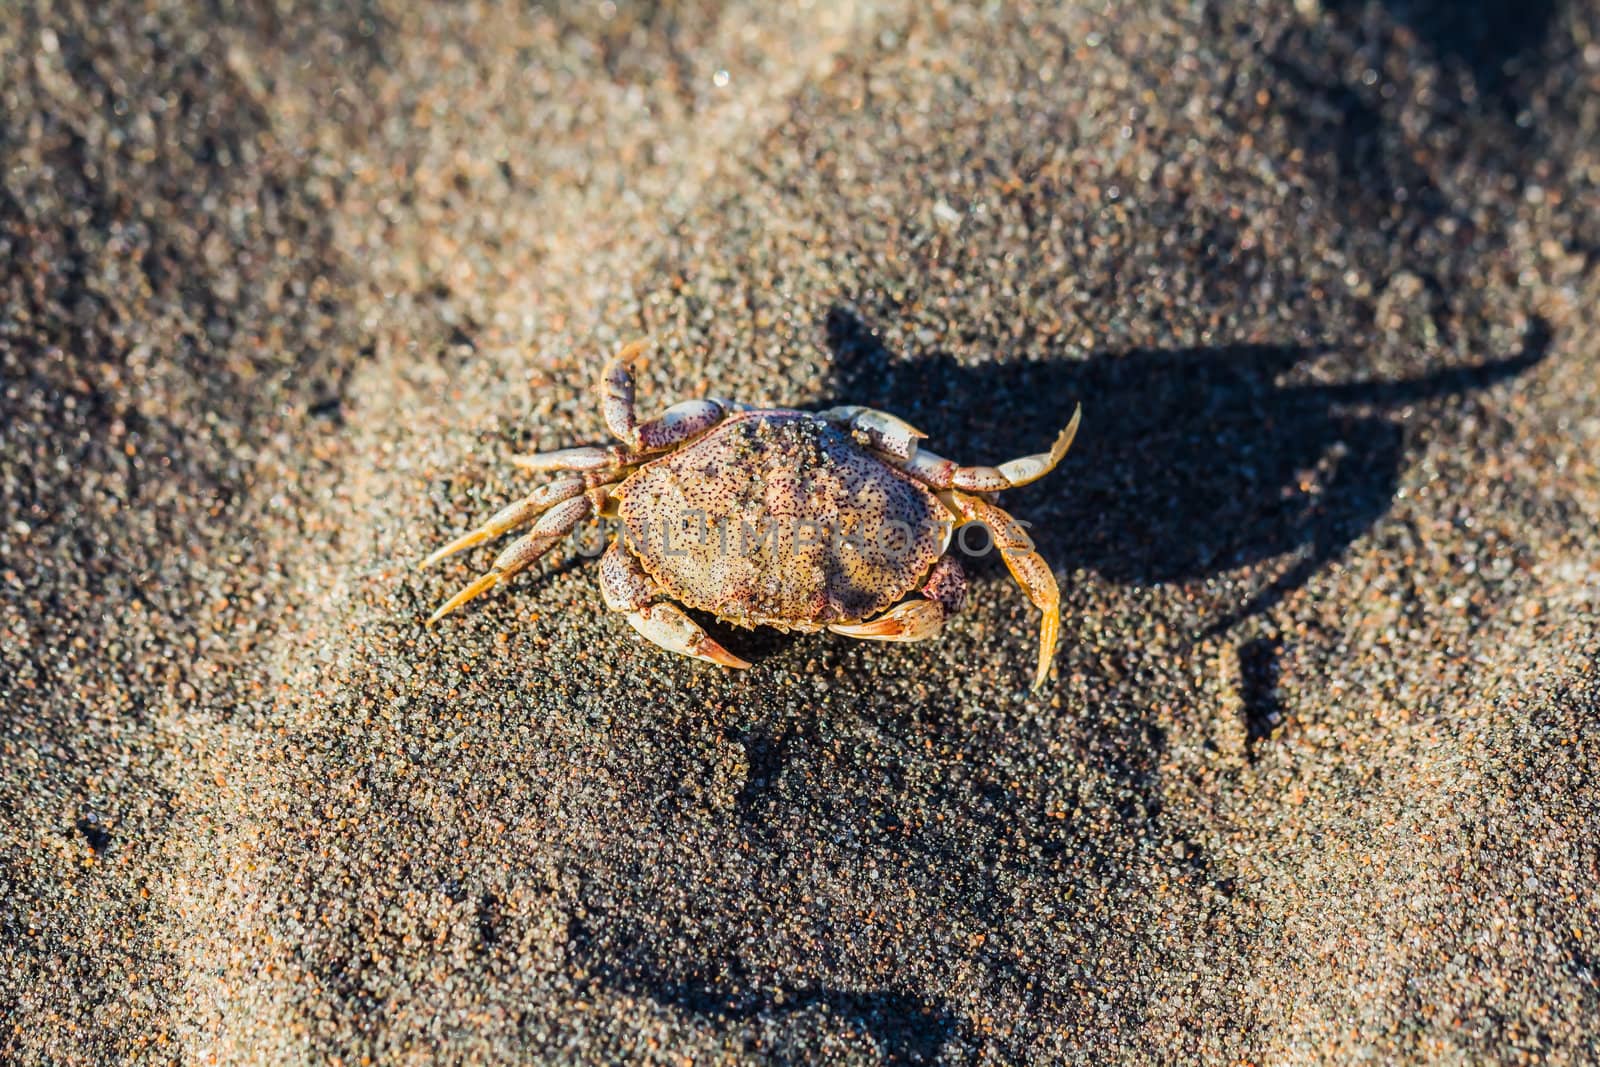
(1190, 462)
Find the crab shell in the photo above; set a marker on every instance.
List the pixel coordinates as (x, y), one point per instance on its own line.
(778, 518)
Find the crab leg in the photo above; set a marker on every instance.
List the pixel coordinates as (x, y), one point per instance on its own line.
(587, 458)
(1026, 566)
(509, 518)
(616, 393)
(556, 524)
(943, 473)
(674, 426)
(883, 431)
(914, 620)
(627, 588)
(677, 424)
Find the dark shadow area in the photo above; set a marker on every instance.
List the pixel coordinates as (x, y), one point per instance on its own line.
(968, 840)
(1493, 40)
(1259, 671)
(904, 1028)
(1189, 462)
(94, 832)
(767, 752)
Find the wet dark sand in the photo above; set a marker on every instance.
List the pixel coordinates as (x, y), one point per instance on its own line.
(1314, 778)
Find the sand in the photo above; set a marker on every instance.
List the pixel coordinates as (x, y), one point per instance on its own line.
(282, 285)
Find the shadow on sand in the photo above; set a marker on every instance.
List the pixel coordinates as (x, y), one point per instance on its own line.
(1190, 462)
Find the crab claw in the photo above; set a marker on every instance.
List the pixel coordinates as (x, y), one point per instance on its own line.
(666, 625)
(715, 653)
(910, 621)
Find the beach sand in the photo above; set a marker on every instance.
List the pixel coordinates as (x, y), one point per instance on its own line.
(282, 286)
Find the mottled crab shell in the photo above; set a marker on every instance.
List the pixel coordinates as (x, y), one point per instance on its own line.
(777, 518)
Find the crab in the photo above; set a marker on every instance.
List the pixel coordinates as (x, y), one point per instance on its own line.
(801, 521)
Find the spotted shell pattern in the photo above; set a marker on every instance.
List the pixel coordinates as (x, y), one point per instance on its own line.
(777, 518)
